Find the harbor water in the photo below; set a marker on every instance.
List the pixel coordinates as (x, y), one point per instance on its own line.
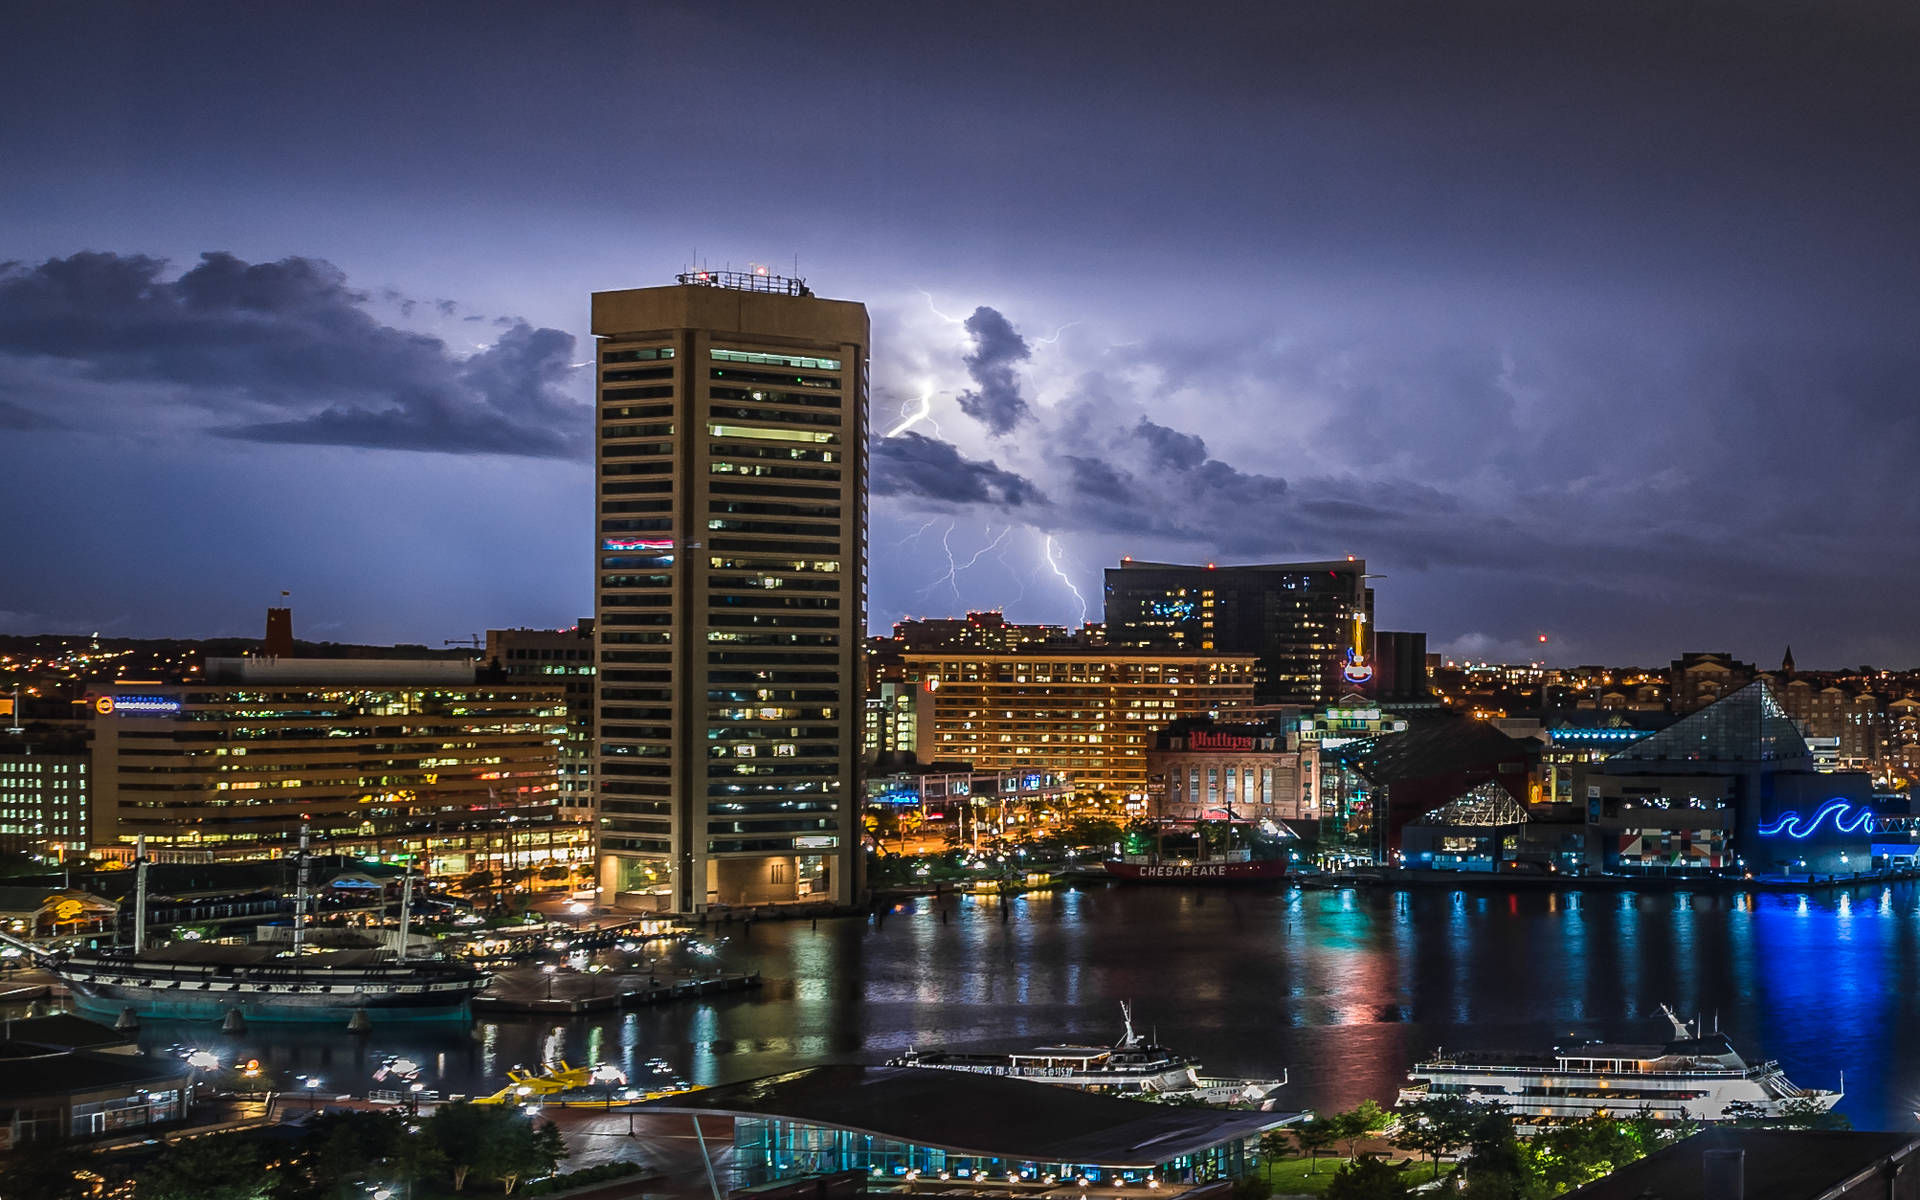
(1343, 989)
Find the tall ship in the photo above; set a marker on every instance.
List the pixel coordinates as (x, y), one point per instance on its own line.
(1235, 866)
(297, 981)
(1694, 1076)
(1135, 1067)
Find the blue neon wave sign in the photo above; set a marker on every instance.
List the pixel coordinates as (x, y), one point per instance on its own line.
(1792, 825)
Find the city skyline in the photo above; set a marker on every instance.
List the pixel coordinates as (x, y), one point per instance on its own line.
(1594, 330)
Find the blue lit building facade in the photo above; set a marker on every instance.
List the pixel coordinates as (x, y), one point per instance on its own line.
(910, 1123)
(1730, 789)
(769, 1149)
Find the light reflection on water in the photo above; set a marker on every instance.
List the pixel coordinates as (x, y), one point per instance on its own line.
(1343, 988)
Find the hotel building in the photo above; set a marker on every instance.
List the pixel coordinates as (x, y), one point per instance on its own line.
(426, 759)
(729, 599)
(1087, 711)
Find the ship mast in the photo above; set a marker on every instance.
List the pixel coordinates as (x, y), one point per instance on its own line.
(406, 910)
(139, 894)
(300, 897)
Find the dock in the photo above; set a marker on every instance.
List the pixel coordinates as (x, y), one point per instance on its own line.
(535, 993)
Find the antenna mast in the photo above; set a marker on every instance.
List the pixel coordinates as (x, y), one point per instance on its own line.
(300, 897)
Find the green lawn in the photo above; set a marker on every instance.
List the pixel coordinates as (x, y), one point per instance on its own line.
(1292, 1178)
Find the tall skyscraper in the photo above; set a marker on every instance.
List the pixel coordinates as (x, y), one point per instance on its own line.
(1310, 623)
(730, 594)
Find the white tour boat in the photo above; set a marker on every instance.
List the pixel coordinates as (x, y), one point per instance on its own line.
(1135, 1067)
(1697, 1076)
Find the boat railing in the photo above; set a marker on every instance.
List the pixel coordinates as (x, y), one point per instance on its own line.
(262, 973)
(1503, 1069)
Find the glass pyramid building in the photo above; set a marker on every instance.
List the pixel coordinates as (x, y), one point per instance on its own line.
(1747, 728)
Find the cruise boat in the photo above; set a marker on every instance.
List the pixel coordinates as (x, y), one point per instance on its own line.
(1696, 1076)
(1135, 1067)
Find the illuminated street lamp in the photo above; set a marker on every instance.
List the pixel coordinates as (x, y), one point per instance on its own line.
(313, 1091)
(550, 968)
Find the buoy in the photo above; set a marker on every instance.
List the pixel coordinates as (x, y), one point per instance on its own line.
(359, 1022)
(233, 1022)
(126, 1020)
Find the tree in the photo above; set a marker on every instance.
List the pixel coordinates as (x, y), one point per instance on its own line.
(1491, 1185)
(1366, 1178)
(47, 1171)
(352, 1148)
(1794, 1114)
(1312, 1137)
(1436, 1125)
(1372, 1117)
(460, 1131)
(1569, 1156)
(1251, 1187)
(1357, 1122)
(1492, 1148)
(523, 1149)
(494, 1141)
(223, 1167)
(1274, 1144)
(1801, 1113)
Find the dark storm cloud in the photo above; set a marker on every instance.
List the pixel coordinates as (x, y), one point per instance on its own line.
(1181, 451)
(20, 419)
(279, 352)
(1096, 479)
(1592, 314)
(995, 399)
(911, 464)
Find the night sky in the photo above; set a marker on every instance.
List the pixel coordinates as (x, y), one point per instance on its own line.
(1592, 320)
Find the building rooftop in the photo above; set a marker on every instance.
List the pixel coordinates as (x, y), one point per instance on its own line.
(1780, 1164)
(30, 1071)
(266, 669)
(1748, 726)
(1336, 565)
(981, 1115)
(63, 1031)
(1434, 749)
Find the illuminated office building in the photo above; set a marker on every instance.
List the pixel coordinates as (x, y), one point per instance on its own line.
(565, 657)
(1309, 625)
(43, 792)
(1089, 712)
(729, 598)
(427, 759)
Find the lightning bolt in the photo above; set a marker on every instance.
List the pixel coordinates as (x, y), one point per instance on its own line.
(951, 578)
(1055, 339)
(995, 544)
(936, 312)
(915, 535)
(908, 415)
(1052, 551)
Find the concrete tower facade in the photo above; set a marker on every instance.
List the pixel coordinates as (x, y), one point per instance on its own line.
(730, 592)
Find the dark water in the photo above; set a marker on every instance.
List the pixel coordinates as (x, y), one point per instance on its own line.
(1343, 989)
